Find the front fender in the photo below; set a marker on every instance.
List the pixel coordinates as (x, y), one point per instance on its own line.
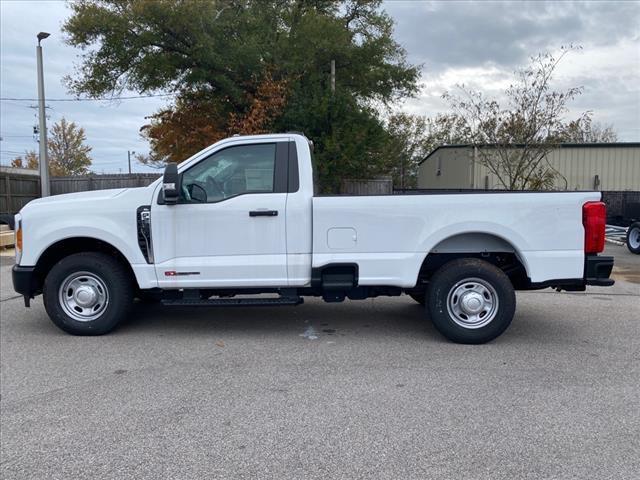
(38, 240)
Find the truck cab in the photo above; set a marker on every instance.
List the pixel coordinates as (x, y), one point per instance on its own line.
(240, 224)
(240, 217)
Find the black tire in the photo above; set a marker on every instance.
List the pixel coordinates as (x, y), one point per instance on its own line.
(418, 297)
(112, 277)
(490, 285)
(633, 238)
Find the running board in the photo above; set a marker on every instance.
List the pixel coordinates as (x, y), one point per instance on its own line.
(233, 302)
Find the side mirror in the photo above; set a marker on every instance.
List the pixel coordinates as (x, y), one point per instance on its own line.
(171, 184)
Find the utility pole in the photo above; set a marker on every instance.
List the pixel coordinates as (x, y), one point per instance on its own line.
(129, 153)
(333, 77)
(44, 161)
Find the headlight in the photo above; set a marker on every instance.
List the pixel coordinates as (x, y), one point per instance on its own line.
(18, 239)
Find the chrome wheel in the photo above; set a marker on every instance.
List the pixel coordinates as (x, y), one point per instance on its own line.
(83, 296)
(634, 238)
(472, 303)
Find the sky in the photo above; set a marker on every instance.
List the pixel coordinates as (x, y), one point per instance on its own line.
(456, 42)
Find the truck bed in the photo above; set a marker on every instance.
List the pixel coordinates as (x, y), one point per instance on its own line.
(389, 235)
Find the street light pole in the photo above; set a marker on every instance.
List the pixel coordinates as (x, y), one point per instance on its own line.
(44, 161)
(129, 153)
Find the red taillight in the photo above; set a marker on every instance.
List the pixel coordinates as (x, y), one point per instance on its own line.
(594, 216)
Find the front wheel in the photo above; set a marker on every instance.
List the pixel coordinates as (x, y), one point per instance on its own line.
(633, 238)
(470, 301)
(87, 293)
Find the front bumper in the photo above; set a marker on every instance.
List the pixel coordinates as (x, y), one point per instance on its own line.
(25, 282)
(597, 270)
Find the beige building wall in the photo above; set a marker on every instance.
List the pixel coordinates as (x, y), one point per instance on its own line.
(447, 168)
(617, 168)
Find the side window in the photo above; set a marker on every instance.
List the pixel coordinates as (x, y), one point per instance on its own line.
(230, 172)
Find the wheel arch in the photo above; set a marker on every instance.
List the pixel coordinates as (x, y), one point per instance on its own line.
(489, 246)
(71, 245)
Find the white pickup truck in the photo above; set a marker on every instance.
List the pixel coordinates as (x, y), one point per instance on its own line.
(239, 224)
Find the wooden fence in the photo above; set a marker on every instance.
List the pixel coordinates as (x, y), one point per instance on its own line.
(377, 186)
(17, 189)
(84, 183)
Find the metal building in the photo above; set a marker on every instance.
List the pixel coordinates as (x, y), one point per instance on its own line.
(582, 166)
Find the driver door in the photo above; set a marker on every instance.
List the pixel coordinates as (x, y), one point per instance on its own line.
(228, 228)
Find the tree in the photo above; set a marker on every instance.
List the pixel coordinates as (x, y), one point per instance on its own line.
(406, 147)
(66, 150)
(599, 133)
(514, 140)
(248, 66)
(30, 160)
(585, 131)
(68, 155)
(412, 137)
(195, 121)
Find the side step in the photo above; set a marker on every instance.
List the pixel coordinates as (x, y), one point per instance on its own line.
(233, 302)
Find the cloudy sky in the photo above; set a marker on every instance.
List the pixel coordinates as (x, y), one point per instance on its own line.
(478, 44)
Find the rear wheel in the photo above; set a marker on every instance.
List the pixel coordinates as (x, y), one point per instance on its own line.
(633, 238)
(87, 293)
(470, 301)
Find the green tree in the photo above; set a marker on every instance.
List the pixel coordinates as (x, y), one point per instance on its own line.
(68, 155)
(412, 137)
(218, 57)
(349, 138)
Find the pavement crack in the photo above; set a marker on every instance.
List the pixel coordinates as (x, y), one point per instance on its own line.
(10, 298)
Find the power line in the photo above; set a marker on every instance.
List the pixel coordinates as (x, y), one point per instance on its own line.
(106, 99)
(13, 104)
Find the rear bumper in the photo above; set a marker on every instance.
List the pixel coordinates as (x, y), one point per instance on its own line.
(597, 270)
(25, 281)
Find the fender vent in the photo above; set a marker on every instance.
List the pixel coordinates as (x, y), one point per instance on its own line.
(143, 216)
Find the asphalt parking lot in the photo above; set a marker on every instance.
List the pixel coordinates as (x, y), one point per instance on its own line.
(250, 393)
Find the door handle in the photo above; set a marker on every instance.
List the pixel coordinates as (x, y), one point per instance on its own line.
(263, 213)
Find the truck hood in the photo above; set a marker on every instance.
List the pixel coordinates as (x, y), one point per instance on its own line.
(97, 200)
(78, 197)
